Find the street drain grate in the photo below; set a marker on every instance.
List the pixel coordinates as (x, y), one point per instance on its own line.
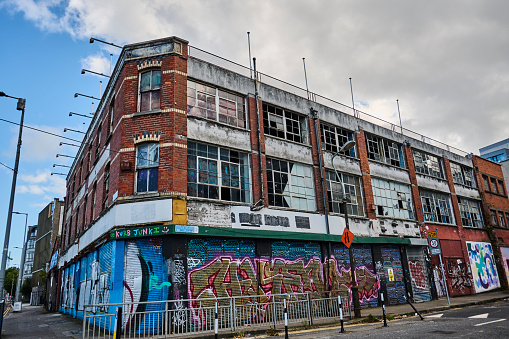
(443, 332)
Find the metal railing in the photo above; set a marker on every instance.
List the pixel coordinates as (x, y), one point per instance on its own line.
(188, 317)
(285, 86)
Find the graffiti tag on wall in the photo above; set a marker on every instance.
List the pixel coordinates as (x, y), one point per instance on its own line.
(483, 267)
(458, 275)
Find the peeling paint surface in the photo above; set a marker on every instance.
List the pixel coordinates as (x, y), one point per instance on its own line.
(388, 172)
(283, 149)
(424, 181)
(217, 134)
(208, 214)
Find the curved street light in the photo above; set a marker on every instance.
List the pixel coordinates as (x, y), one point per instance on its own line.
(355, 290)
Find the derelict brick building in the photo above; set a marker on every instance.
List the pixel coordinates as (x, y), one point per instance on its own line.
(197, 181)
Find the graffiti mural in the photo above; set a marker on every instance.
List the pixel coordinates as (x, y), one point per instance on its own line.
(145, 279)
(458, 275)
(483, 267)
(439, 282)
(505, 260)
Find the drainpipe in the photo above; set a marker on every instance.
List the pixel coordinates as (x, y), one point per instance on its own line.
(256, 206)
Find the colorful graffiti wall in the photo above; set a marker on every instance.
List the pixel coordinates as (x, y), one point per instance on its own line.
(505, 260)
(418, 268)
(483, 267)
(458, 276)
(87, 282)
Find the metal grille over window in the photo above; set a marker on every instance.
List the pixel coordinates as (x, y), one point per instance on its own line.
(217, 173)
(284, 124)
(147, 167)
(428, 164)
(290, 185)
(352, 191)
(150, 86)
(392, 199)
(333, 138)
(470, 211)
(212, 103)
(436, 207)
(384, 150)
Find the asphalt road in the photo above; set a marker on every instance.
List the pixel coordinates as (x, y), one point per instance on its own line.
(485, 321)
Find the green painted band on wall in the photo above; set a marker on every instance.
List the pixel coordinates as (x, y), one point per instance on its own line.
(158, 230)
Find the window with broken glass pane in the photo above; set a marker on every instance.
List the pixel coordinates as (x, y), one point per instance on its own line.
(436, 207)
(290, 185)
(383, 150)
(217, 173)
(470, 211)
(284, 124)
(352, 191)
(150, 90)
(209, 102)
(462, 175)
(147, 167)
(392, 199)
(333, 138)
(428, 164)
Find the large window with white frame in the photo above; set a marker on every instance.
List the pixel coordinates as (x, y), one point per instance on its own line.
(428, 164)
(290, 185)
(352, 185)
(333, 138)
(284, 124)
(392, 199)
(462, 175)
(436, 207)
(383, 150)
(209, 102)
(150, 90)
(147, 167)
(470, 211)
(217, 173)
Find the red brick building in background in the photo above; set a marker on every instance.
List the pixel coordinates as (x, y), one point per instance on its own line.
(197, 179)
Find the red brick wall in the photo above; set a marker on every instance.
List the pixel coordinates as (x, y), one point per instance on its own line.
(367, 189)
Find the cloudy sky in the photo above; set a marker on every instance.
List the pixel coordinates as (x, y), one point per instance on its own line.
(446, 62)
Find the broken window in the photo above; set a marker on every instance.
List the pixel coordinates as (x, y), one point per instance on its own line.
(470, 211)
(150, 90)
(284, 124)
(501, 187)
(386, 151)
(217, 173)
(486, 183)
(494, 187)
(494, 219)
(462, 175)
(436, 207)
(392, 199)
(352, 191)
(428, 164)
(216, 104)
(290, 185)
(502, 219)
(333, 138)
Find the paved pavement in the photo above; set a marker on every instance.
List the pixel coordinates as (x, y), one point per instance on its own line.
(33, 322)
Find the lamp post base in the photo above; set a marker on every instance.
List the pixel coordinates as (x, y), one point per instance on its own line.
(356, 302)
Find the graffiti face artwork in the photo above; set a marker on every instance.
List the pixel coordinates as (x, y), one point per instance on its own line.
(483, 267)
(417, 274)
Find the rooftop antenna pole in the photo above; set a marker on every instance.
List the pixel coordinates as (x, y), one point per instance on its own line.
(353, 102)
(92, 113)
(100, 87)
(305, 76)
(111, 62)
(400, 124)
(249, 47)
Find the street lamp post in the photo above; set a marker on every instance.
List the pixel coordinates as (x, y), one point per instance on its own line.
(354, 288)
(20, 107)
(22, 261)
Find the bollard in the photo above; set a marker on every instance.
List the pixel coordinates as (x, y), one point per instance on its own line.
(215, 323)
(383, 309)
(118, 323)
(341, 314)
(420, 315)
(286, 319)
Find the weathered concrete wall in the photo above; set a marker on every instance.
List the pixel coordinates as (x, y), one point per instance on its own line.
(206, 131)
(290, 151)
(433, 184)
(388, 172)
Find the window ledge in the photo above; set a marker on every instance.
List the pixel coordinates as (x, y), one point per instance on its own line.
(291, 209)
(466, 186)
(268, 136)
(142, 195)
(223, 202)
(387, 218)
(340, 155)
(136, 114)
(439, 223)
(431, 176)
(244, 129)
(389, 165)
(350, 216)
(475, 228)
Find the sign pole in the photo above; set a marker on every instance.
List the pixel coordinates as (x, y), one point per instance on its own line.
(434, 247)
(444, 279)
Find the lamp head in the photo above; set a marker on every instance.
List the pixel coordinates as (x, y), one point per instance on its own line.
(91, 40)
(2, 94)
(75, 95)
(348, 145)
(65, 130)
(82, 71)
(70, 114)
